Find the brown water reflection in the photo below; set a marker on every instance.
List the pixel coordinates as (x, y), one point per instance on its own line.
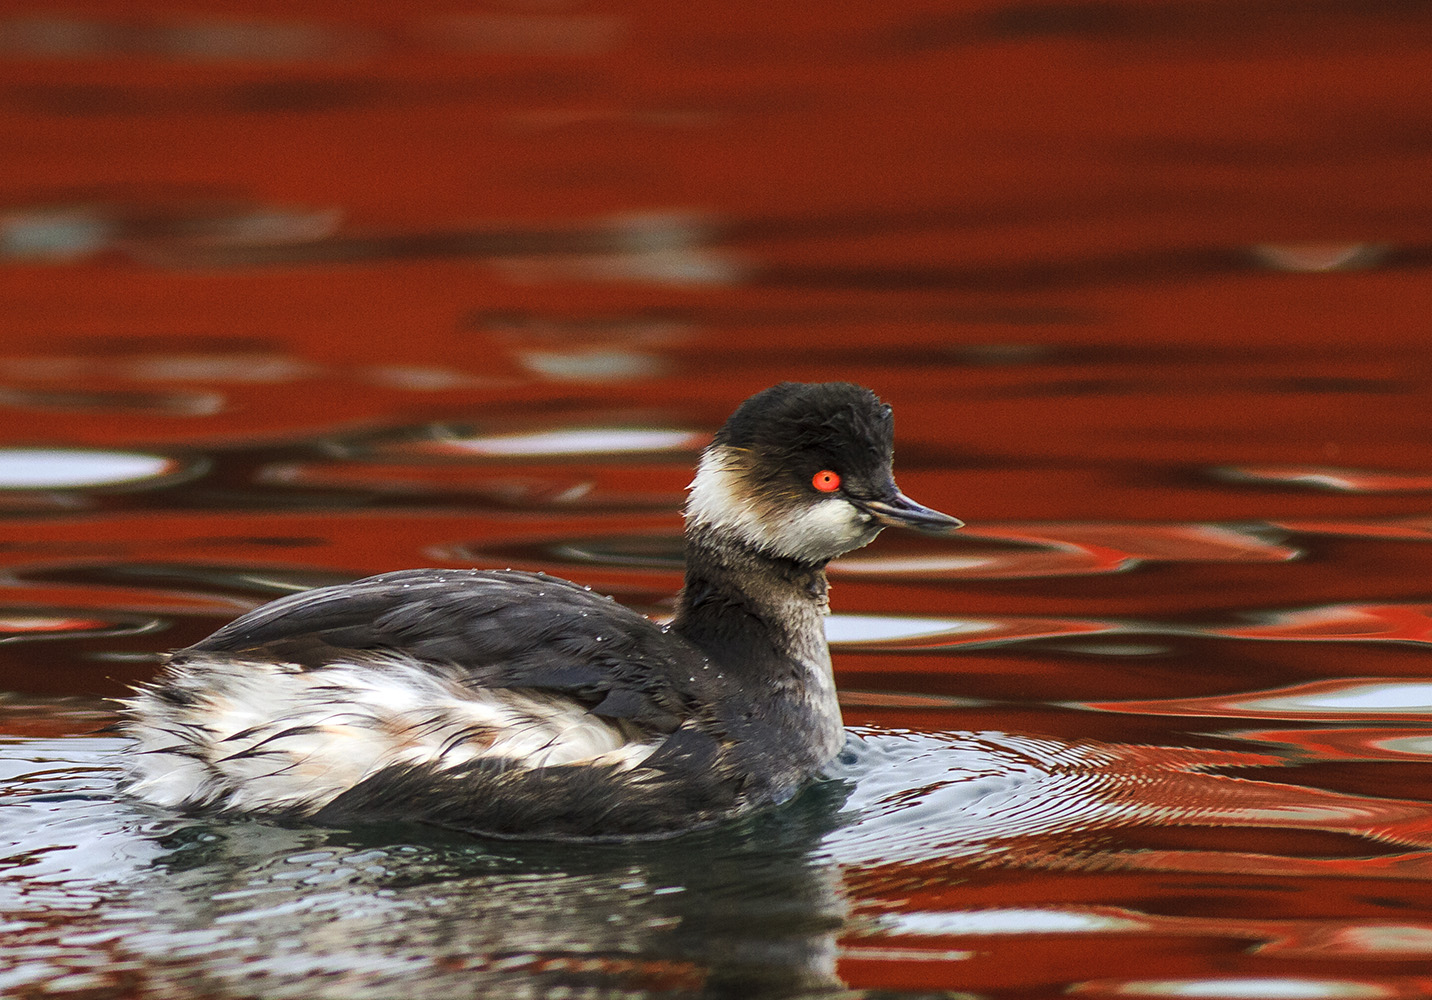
(292, 297)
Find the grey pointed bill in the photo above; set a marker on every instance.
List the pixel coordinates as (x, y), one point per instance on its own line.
(899, 511)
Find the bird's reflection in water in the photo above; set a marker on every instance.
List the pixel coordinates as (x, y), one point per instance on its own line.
(751, 910)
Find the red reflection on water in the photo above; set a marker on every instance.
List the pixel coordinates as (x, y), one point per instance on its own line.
(597, 488)
(1351, 743)
(1047, 802)
(53, 717)
(1362, 698)
(1075, 550)
(865, 633)
(21, 624)
(1411, 529)
(1343, 623)
(1222, 987)
(982, 938)
(1096, 255)
(1330, 478)
(1415, 866)
(1100, 822)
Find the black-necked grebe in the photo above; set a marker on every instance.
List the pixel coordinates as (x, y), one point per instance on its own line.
(520, 705)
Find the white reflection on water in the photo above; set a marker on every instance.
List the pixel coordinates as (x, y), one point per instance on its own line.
(1379, 939)
(856, 631)
(1364, 481)
(1408, 696)
(1417, 746)
(61, 234)
(912, 565)
(841, 628)
(1317, 258)
(592, 364)
(1316, 700)
(581, 441)
(253, 368)
(660, 248)
(1269, 988)
(1005, 921)
(72, 468)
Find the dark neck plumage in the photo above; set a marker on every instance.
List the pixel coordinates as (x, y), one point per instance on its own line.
(744, 607)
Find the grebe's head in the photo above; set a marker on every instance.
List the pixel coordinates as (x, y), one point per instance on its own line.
(804, 472)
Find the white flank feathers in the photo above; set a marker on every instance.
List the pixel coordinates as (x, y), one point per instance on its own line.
(258, 736)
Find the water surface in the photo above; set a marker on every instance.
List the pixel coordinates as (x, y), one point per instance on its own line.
(292, 297)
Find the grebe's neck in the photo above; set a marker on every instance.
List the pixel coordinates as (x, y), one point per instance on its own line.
(760, 620)
(741, 605)
(753, 596)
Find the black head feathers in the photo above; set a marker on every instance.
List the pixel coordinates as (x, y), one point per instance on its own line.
(805, 426)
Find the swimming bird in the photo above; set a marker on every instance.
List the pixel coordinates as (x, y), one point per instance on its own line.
(515, 704)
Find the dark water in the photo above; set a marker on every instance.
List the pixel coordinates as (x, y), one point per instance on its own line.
(294, 297)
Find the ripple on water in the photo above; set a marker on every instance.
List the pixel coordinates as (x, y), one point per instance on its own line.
(925, 796)
(1323, 477)
(1246, 988)
(911, 632)
(98, 885)
(989, 551)
(1338, 700)
(1341, 623)
(94, 884)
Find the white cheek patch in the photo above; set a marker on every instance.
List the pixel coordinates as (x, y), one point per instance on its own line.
(831, 525)
(809, 532)
(716, 499)
(270, 737)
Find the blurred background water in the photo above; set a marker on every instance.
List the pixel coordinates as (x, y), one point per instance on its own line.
(295, 294)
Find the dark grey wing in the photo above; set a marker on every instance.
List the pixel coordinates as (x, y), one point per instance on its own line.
(504, 629)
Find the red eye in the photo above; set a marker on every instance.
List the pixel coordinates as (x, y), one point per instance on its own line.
(826, 481)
